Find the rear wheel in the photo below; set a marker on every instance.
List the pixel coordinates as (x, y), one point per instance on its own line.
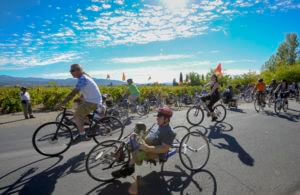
(107, 128)
(256, 106)
(106, 157)
(195, 115)
(52, 139)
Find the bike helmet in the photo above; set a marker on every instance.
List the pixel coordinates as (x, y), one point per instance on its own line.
(165, 111)
(129, 80)
(260, 80)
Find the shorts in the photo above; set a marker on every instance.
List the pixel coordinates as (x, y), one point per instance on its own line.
(132, 99)
(142, 155)
(84, 109)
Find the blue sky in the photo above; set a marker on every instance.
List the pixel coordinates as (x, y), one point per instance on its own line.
(142, 38)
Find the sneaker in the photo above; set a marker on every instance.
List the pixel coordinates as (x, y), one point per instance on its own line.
(125, 171)
(214, 118)
(31, 116)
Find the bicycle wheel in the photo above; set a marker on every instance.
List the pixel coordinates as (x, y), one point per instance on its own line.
(68, 120)
(106, 157)
(220, 112)
(277, 107)
(195, 115)
(248, 98)
(108, 127)
(285, 106)
(180, 131)
(143, 110)
(256, 106)
(194, 151)
(49, 140)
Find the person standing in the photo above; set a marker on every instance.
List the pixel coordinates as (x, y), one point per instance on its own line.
(26, 104)
(134, 92)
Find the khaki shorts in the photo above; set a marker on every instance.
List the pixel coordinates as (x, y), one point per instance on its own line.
(84, 109)
(141, 156)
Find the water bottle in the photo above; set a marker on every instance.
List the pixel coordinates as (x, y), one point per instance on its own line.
(171, 153)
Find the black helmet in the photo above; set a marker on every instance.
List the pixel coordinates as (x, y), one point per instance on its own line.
(129, 80)
(260, 80)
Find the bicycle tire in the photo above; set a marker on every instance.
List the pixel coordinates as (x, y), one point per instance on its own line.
(256, 106)
(182, 150)
(198, 110)
(65, 129)
(277, 107)
(105, 144)
(104, 122)
(223, 108)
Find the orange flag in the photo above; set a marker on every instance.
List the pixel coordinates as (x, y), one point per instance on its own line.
(123, 77)
(108, 76)
(218, 70)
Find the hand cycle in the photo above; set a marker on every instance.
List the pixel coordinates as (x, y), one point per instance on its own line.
(195, 114)
(111, 155)
(54, 138)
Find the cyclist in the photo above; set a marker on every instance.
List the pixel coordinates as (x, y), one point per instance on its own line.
(228, 94)
(293, 88)
(92, 99)
(134, 92)
(283, 89)
(213, 96)
(155, 145)
(273, 86)
(260, 87)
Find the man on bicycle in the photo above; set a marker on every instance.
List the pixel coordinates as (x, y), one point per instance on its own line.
(260, 87)
(283, 90)
(92, 99)
(155, 145)
(213, 96)
(134, 92)
(273, 85)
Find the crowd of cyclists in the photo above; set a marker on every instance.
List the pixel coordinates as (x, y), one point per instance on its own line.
(159, 140)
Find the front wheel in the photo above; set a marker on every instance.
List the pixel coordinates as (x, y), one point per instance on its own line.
(220, 112)
(195, 115)
(277, 107)
(256, 105)
(52, 139)
(106, 157)
(194, 151)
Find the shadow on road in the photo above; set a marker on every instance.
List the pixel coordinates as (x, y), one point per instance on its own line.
(44, 182)
(24, 178)
(12, 121)
(216, 132)
(237, 110)
(287, 116)
(164, 183)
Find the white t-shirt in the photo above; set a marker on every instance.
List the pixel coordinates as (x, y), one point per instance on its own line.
(89, 89)
(25, 96)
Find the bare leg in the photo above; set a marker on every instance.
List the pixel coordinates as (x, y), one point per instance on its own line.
(79, 124)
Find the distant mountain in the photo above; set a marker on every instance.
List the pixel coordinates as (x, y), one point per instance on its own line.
(30, 81)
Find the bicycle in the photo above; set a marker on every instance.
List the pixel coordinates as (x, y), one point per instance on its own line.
(258, 103)
(198, 113)
(281, 103)
(54, 138)
(110, 155)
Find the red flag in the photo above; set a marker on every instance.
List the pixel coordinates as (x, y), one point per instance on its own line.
(123, 77)
(218, 70)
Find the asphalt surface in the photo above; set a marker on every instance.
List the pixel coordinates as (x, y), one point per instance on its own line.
(251, 153)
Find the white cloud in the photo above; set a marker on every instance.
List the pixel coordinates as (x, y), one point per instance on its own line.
(149, 58)
(31, 61)
(78, 10)
(106, 6)
(214, 51)
(120, 2)
(94, 8)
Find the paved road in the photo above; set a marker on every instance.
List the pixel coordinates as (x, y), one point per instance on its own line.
(251, 153)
